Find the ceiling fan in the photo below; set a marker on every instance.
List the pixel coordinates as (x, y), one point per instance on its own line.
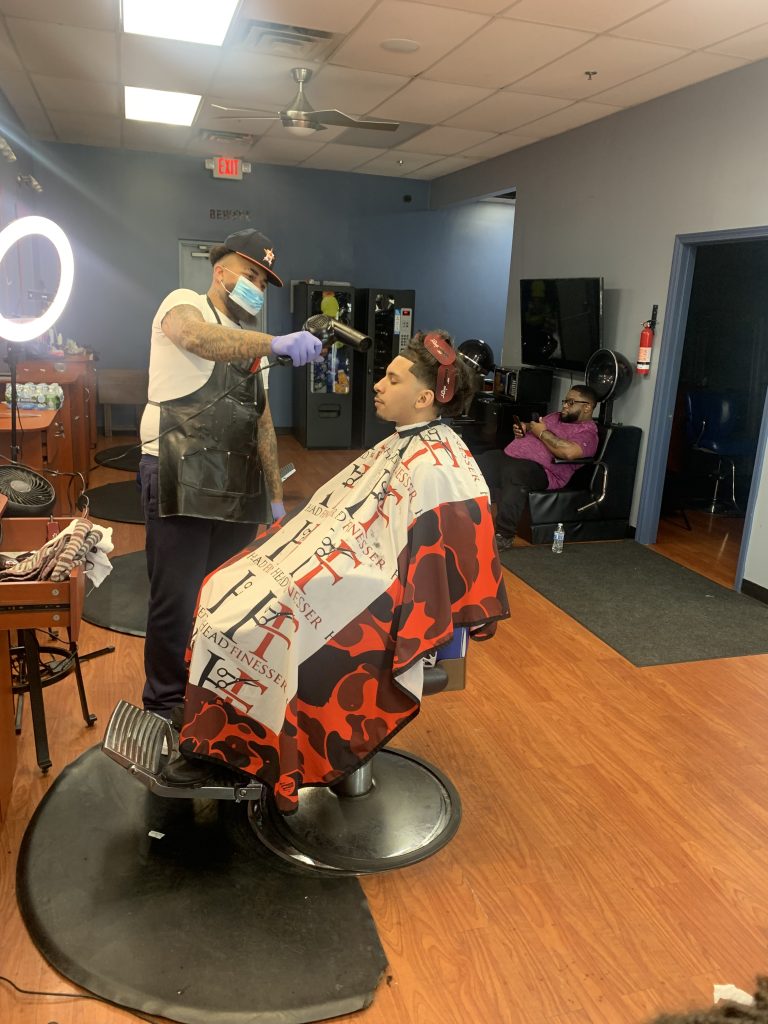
(301, 118)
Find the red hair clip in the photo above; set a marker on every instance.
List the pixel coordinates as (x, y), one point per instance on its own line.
(445, 354)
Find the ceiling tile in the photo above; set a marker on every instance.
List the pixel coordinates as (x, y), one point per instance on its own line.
(396, 163)
(20, 93)
(437, 32)
(480, 6)
(167, 64)
(615, 61)
(589, 15)
(9, 60)
(86, 129)
(504, 51)
(340, 158)
(686, 71)
(78, 96)
(693, 24)
(506, 110)
(65, 51)
(381, 140)
(245, 79)
(336, 88)
(271, 149)
(446, 165)
(103, 14)
(564, 120)
(501, 144)
(752, 45)
(161, 138)
(446, 141)
(430, 102)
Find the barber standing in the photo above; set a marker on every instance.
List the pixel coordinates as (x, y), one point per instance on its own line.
(209, 468)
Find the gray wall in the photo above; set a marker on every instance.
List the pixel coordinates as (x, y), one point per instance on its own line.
(609, 198)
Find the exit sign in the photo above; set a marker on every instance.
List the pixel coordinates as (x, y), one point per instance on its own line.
(227, 167)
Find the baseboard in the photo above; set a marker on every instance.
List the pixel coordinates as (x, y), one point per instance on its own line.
(754, 590)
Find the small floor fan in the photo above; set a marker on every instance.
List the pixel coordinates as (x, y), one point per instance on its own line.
(28, 493)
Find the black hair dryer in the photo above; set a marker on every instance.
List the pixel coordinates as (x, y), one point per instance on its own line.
(327, 329)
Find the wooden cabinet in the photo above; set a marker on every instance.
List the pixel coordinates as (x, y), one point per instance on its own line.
(46, 444)
(7, 737)
(61, 440)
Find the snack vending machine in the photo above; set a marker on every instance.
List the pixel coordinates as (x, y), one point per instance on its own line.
(386, 316)
(323, 391)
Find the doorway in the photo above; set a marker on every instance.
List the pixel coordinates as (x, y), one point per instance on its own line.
(715, 348)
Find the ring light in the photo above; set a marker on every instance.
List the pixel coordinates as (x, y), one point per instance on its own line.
(14, 330)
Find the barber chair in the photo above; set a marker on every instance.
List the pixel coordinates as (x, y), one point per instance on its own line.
(596, 502)
(394, 810)
(713, 426)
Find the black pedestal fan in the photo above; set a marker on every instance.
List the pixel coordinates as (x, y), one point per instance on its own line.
(28, 493)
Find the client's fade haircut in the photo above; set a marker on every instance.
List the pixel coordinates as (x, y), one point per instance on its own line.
(426, 366)
(217, 252)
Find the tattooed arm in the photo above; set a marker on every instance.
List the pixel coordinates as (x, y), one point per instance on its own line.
(267, 445)
(185, 326)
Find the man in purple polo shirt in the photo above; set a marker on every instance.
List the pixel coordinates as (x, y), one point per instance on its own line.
(528, 462)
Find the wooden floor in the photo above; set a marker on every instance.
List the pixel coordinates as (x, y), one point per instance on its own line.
(611, 861)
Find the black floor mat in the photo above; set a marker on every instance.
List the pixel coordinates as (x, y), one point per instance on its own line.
(117, 503)
(121, 602)
(121, 456)
(172, 907)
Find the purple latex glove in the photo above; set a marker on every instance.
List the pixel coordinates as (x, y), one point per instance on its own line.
(278, 510)
(301, 347)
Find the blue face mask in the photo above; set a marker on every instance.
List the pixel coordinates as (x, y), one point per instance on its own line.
(246, 294)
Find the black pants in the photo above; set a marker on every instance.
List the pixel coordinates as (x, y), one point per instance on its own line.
(509, 481)
(181, 551)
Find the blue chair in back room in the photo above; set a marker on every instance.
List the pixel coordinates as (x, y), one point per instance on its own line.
(714, 425)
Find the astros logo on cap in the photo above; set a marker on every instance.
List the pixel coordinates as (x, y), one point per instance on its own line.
(269, 257)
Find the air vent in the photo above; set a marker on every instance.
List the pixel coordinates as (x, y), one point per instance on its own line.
(211, 136)
(301, 44)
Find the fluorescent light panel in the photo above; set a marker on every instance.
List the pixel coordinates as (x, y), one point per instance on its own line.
(160, 106)
(191, 21)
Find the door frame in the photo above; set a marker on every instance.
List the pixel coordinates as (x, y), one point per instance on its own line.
(668, 378)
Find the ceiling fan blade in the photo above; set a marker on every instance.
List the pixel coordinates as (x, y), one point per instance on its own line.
(245, 110)
(336, 117)
(246, 117)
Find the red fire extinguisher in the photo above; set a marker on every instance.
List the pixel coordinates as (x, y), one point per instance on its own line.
(646, 342)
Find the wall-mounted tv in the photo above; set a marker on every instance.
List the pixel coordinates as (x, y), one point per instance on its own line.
(561, 321)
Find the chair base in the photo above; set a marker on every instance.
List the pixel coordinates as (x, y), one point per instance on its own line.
(410, 812)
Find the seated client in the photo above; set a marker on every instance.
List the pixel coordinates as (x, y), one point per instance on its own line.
(307, 648)
(528, 462)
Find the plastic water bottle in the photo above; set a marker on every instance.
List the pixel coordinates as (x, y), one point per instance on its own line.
(558, 540)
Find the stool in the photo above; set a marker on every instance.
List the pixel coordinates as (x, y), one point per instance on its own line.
(121, 387)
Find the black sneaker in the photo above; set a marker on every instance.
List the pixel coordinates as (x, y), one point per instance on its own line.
(504, 543)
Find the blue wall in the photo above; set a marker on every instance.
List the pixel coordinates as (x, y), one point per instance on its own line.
(125, 212)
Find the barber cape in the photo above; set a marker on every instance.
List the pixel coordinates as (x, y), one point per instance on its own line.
(307, 650)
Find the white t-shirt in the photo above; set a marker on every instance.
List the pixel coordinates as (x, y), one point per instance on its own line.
(174, 372)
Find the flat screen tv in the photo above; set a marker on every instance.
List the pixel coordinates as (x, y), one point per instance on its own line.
(561, 321)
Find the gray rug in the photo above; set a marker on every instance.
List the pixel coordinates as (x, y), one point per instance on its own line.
(648, 608)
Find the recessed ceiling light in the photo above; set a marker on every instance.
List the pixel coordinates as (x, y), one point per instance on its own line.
(160, 106)
(191, 21)
(400, 45)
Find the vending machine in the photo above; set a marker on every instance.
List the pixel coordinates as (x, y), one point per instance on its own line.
(323, 392)
(386, 316)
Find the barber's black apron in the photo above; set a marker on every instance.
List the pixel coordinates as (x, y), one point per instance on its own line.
(209, 464)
